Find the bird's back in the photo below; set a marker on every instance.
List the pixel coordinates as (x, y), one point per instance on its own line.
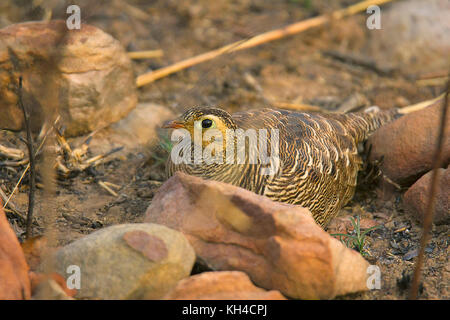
(319, 159)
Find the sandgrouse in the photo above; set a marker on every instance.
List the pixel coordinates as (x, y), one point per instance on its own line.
(318, 154)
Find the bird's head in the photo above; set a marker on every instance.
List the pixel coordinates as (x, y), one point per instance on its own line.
(201, 119)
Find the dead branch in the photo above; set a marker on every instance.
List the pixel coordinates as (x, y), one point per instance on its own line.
(31, 157)
(428, 218)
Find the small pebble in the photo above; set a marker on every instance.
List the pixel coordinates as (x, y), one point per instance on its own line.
(411, 254)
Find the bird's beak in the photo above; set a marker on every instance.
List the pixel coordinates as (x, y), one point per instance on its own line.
(173, 124)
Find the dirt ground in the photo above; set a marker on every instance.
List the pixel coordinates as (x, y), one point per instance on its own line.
(296, 69)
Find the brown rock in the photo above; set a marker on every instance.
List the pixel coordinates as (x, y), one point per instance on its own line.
(408, 144)
(84, 74)
(225, 285)
(37, 279)
(278, 245)
(416, 198)
(14, 281)
(49, 289)
(34, 250)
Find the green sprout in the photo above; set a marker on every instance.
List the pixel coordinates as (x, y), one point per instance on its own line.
(163, 150)
(356, 239)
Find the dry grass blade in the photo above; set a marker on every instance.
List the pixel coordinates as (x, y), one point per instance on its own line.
(13, 207)
(11, 153)
(148, 54)
(75, 160)
(420, 105)
(17, 185)
(256, 40)
(428, 219)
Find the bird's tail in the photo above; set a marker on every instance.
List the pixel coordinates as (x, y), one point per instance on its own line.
(362, 124)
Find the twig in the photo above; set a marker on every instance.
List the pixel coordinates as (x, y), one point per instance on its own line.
(148, 54)
(11, 205)
(112, 185)
(32, 163)
(11, 153)
(17, 185)
(104, 186)
(428, 218)
(96, 159)
(438, 81)
(361, 61)
(420, 105)
(14, 163)
(133, 11)
(291, 29)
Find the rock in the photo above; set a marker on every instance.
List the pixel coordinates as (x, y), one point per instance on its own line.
(416, 198)
(407, 145)
(139, 127)
(129, 261)
(37, 279)
(49, 289)
(416, 37)
(278, 245)
(84, 74)
(14, 281)
(34, 249)
(224, 285)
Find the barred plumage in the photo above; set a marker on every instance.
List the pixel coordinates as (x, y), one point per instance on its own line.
(319, 159)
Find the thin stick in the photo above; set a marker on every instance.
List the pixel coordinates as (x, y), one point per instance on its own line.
(112, 185)
(111, 191)
(291, 29)
(420, 105)
(32, 163)
(148, 54)
(11, 205)
(17, 185)
(428, 219)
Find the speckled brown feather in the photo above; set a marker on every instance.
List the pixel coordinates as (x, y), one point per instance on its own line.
(318, 153)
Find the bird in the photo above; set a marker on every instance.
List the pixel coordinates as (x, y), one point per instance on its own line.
(317, 152)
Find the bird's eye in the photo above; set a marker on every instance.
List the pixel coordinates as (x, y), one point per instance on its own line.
(207, 123)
